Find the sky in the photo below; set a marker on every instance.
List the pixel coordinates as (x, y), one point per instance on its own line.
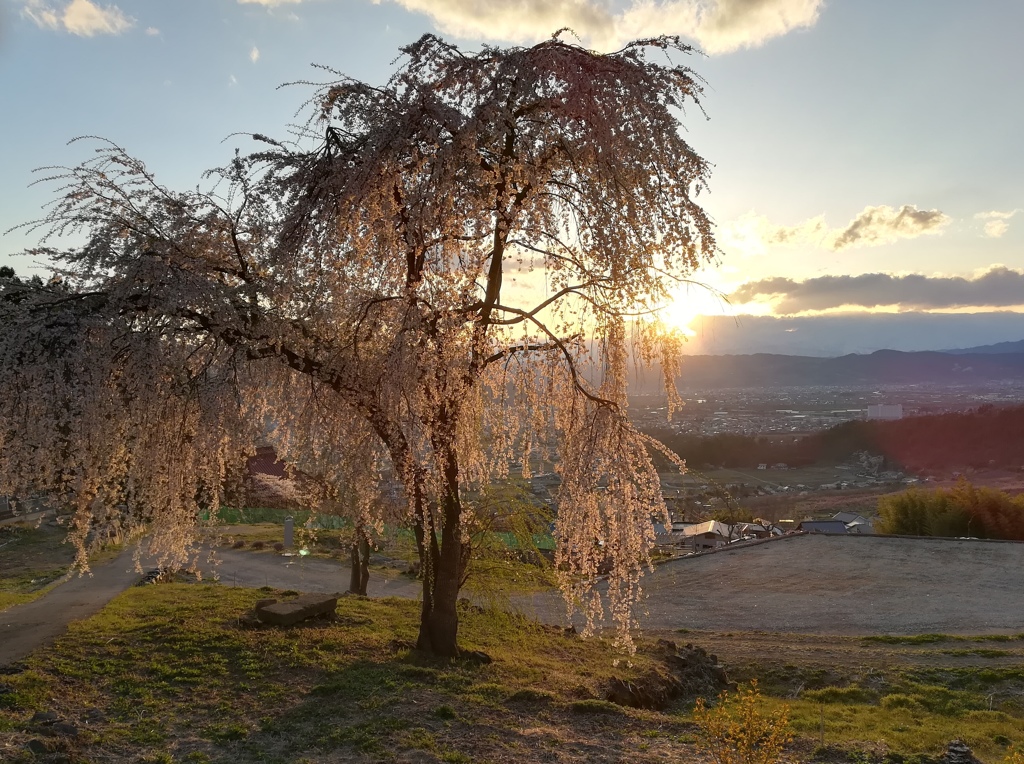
(866, 152)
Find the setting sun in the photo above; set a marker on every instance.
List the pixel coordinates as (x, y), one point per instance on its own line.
(693, 300)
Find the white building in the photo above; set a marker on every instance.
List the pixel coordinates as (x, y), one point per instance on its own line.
(885, 411)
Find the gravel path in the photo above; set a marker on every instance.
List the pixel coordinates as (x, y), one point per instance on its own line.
(23, 628)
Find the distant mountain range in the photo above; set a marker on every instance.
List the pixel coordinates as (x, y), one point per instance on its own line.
(959, 367)
(998, 348)
(834, 335)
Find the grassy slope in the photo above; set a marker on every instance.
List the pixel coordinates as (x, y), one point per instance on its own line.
(32, 560)
(178, 679)
(175, 676)
(35, 558)
(898, 694)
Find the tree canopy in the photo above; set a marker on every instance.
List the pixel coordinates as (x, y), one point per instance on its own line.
(446, 274)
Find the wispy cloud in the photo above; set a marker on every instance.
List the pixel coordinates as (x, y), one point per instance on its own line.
(79, 17)
(152, 32)
(996, 222)
(872, 226)
(717, 26)
(998, 287)
(269, 3)
(254, 54)
(884, 224)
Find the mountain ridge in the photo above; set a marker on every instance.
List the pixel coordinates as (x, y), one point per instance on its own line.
(879, 367)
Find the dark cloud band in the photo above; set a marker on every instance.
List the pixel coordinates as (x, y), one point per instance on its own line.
(1000, 287)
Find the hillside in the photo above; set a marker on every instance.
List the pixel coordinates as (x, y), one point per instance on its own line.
(987, 437)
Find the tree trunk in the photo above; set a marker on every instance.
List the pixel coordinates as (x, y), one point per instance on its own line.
(360, 575)
(442, 567)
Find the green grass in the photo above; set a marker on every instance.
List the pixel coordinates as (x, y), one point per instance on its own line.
(912, 710)
(905, 727)
(178, 677)
(19, 589)
(915, 639)
(175, 673)
(32, 560)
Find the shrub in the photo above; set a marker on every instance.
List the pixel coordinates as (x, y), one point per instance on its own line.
(965, 510)
(850, 695)
(899, 700)
(737, 731)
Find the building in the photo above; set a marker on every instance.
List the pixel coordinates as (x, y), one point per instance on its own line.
(854, 523)
(885, 411)
(697, 536)
(707, 535)
(823, 526)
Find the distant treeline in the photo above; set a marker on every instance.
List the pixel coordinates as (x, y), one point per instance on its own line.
(965, 510)
(987, 436)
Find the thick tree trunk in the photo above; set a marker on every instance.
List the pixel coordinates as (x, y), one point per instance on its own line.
(442, 566)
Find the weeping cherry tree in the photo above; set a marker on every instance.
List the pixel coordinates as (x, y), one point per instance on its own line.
(447, 275)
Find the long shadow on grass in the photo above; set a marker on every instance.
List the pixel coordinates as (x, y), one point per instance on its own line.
(435, 710)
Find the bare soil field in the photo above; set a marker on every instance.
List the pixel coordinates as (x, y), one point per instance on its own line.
(840, 585)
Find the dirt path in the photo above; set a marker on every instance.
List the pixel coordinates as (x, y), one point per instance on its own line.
(309, 574)
(23, 628)
(808, 584)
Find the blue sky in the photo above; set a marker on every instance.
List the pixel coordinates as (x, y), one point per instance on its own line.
(849, 137)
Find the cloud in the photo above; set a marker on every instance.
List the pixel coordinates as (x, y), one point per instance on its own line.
(998, 287)
(254, 54)
(752, 234)
(268, 3)
(79, 17)
(883, 225)
(996, 224)
(717, 26)
(152, 32)
(840, 333)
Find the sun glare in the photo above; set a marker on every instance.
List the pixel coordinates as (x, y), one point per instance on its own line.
(692, 301)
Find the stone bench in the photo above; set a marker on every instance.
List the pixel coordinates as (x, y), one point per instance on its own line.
(290, 612)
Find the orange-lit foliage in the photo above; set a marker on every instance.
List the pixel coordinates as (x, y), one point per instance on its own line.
(965, 510)
(987, 436)
(738, 731)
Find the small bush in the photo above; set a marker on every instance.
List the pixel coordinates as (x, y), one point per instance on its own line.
(899, 700)
(240, 544)
(846, 695)
(530, 695)
(279, 547)
(738, 731)
(258, 545)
